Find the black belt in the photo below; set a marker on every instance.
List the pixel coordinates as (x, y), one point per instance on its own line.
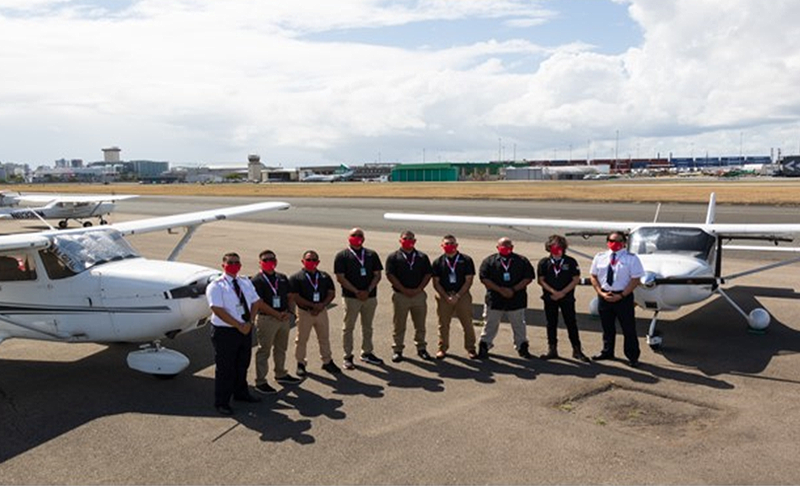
(307, 309)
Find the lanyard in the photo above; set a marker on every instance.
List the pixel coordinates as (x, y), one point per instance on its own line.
(556, 265)
(362, 259)
(454, 265)
(505, 265)
(275, 287)
(413, 259)
(315, 283)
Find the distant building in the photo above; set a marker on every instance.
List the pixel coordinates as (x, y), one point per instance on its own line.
(111, 154)
(254, 168)
(149, 168)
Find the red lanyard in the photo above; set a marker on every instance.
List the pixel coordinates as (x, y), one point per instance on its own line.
(275, 287)
(360, 260)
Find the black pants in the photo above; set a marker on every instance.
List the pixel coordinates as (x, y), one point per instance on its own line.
(567, 307)
(623, 311)
(232, 351)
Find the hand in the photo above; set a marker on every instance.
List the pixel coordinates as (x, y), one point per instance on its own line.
(362, 294)
(452, 299)
(507, 292)
(245, 328)
(557, 295)
(284, 316)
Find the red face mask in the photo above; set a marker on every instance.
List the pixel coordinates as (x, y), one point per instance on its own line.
(505, 250)
(310, 266)
(269, 266)
(556, 251)
(232, 268)
(356, 241)
(407, 244)
(615, 246)
(449, 248)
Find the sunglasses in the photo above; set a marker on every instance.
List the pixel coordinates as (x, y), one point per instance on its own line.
(269, 259)
(311, 259)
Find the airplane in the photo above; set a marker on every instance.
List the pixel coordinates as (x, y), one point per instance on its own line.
(61, 207)
(89, 285)
(343, 173)
(682, 261)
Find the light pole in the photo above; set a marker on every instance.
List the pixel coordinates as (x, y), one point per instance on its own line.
(499, 149)
(616, 152)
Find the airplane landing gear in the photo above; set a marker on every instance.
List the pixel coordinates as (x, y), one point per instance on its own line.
(758, 320)
(63, 224)
(103, 221)
(87, 224)
(653, 336)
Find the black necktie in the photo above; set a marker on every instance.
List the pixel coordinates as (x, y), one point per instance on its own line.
(610, 274)
(238, 290)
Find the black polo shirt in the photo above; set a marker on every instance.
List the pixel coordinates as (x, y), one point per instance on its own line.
(494, 267)
(409, 268)
(279, 282)
(558, 274)
(348, 262)
(302, 283)
(463, 266)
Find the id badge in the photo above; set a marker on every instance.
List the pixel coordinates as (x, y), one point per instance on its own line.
(239, 310)
(506, 276)
(276, 301)
(363, 272)
(452, 278)
(315, 297)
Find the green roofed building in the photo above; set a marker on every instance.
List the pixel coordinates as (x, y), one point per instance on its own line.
(447, 172)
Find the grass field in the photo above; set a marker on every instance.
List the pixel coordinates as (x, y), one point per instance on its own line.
(767, 191)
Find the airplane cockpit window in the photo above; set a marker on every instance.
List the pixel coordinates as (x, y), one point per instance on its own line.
(16, 267)
(82, 251)
(691, 241)
(55, 267)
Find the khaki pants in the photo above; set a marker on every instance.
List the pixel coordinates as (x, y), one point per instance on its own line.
(461, 310)
(491, 318)
(417, 306)
(352, 309)
(272, 334)
(306, 322)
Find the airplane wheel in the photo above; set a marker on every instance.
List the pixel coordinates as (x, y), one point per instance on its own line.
(62, 224)
(656, 343)
(103, 221)
(165, 377)
(87, 224)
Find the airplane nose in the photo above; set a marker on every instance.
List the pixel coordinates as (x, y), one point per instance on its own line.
(192, 290)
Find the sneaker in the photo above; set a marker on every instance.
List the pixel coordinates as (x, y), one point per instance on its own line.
(471, 354)
(265, 389)
(371, 359)
(301, 370)
(441, 354)
(523, 351)
(483, 350)
(288, 380)
(423, 353)
(331, 368)
(348, 363)
(397, 356)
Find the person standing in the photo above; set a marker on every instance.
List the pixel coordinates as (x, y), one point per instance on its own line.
(358, 271)
(615, 275)
(232, 300)
(312, 290)
(272, 323)
(559, 274)
(409, 271)
(453, 273)
(506, 276)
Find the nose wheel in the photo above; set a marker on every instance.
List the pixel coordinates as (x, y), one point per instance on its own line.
(654, 336)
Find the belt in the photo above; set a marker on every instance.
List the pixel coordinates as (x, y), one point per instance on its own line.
(307, 309)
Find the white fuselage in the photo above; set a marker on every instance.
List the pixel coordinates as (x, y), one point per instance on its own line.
(672, 297)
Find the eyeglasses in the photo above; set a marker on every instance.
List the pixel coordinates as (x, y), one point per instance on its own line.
(408, 238)
(269, 259)
(311, 259)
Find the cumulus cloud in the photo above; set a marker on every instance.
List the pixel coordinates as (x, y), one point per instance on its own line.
(208, 81)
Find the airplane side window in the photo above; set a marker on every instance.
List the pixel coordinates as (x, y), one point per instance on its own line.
(55, 267)
(15, 268)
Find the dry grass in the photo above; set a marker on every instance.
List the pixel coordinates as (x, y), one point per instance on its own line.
(785, 192)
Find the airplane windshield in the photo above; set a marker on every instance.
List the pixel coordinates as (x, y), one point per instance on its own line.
(692, 241)
(82, 251)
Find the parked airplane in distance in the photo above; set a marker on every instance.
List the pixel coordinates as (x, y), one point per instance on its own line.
(343, 173)
(62, 207)
(89, 285)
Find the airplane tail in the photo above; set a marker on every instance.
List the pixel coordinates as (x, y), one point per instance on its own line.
(712, 203)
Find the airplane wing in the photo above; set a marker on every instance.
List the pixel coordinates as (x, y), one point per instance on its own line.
(95, 198)
(193, 219)
(23, 241)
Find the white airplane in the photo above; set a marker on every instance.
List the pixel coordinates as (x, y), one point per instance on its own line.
(89, 285)
(61, 207)
(682, 262)
(343, 173)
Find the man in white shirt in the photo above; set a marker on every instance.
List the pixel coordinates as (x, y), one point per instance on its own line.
(615, 274)
(233, 301)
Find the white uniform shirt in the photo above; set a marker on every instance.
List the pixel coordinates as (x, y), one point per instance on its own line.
(628, 267)
(220, 293)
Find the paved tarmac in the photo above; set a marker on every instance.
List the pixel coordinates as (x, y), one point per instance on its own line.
(718, 404)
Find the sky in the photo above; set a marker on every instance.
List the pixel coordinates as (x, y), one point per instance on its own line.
(318, 82)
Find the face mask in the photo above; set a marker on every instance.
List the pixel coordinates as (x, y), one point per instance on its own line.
(407, 244)
(356, 241)
(232, 268)
(269, 266)
(310, 266)
(449, 248)
(504, 250)
(615, 246)
(556, 252)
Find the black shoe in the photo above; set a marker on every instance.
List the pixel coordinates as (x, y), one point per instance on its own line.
(483, 350)
(248, 399)
(397, 357)
(523, 351)
(301, 370)
(578, 354)
(602, 356)
(265, 389)
(331, 368)
(348, 364)
(552, 353)
(288, 380)
(633, 363)
(371, 359)
(224, 410)
(423, 353)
